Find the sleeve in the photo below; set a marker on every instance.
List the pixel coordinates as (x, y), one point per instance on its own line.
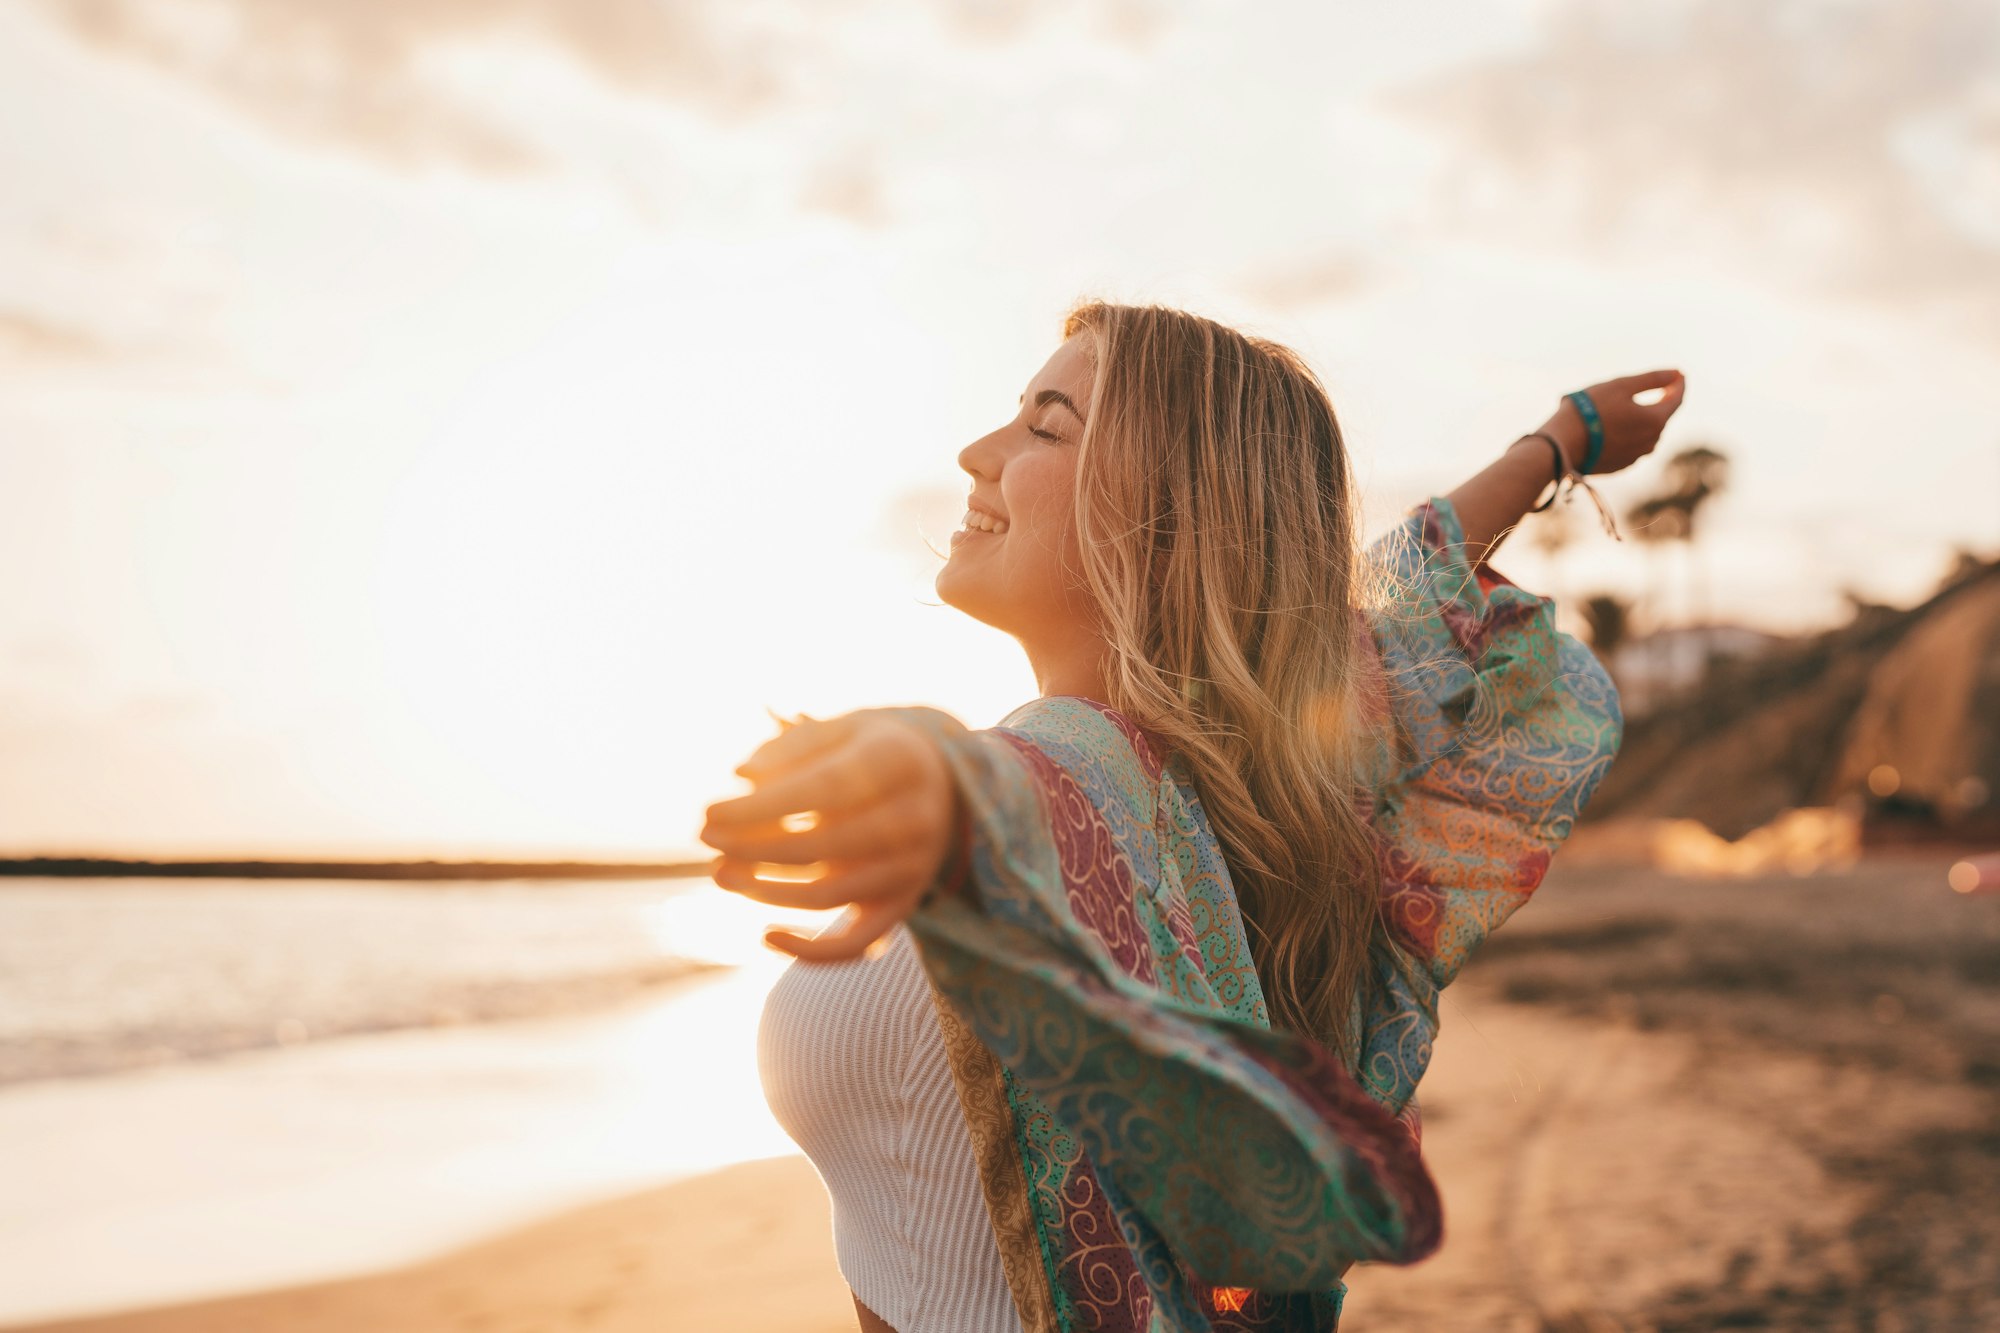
(1252, 1153)
(1498, 730)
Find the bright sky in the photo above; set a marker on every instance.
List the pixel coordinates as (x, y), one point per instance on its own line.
(441, 429)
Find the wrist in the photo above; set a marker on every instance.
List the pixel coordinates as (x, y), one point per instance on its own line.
(1571, 435)
(1531, 454)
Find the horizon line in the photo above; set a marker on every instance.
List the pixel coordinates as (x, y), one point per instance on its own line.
(107, 867)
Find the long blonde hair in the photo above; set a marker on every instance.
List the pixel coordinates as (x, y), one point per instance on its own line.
(1220, 535)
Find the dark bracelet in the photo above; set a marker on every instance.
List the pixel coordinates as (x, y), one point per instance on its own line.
(1561, 467)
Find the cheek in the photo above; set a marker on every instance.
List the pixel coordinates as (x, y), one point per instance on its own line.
(1042, 504)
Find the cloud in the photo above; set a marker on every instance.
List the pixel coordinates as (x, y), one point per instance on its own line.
(352, 72)
(165, 708)
(32, 341)
(848, 188)
(364, 74)
(1837, 142)
(1130, 23)
(26, 336)
(1306, 282)
(48, 655)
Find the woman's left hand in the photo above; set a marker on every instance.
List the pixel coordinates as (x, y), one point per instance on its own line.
(1631, 428)
(868, 797)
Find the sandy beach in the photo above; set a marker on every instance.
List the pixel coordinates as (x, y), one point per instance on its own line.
(1657, 1104)
(743, 1248)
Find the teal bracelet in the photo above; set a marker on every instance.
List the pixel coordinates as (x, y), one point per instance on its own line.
(1592, 423)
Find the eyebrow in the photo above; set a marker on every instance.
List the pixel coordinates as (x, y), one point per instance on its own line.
(1047, 396)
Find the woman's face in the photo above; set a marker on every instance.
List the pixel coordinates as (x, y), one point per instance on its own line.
(1014, 559)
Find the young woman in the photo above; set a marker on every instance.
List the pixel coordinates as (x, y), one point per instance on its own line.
(1160, 954)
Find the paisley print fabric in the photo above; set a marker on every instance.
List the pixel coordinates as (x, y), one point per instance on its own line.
(989, 1116)
(1154, 1155)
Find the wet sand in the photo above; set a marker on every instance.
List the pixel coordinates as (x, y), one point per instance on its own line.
(746, 1248)
(348, 1157)
(1658, 1104)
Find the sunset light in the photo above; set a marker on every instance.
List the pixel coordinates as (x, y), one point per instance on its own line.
(467, 480)
(935, 666)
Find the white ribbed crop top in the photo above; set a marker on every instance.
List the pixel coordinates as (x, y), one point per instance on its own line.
(853, 1065)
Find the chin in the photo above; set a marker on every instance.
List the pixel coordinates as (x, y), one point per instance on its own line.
(963, 592)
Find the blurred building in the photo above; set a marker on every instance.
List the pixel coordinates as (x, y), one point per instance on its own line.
(1668, 662)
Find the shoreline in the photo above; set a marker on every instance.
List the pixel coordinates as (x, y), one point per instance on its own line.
(107, 867)
(351, 1156)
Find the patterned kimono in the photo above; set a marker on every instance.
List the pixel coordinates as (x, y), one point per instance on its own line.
(1154, 1156)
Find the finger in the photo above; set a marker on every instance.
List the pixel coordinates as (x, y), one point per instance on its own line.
(860, 773)
(799, 742)
(717, 835)
(1665, 405)
(848, 938)
(1652, 379)
(829, 783)
(740, 877)
(840, 886)
(885, 828)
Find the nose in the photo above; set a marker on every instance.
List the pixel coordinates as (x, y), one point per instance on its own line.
(982, 458)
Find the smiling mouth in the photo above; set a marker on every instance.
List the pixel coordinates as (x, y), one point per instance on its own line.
(978, 521)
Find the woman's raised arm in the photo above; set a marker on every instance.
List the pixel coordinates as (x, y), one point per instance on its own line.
(1497, 497)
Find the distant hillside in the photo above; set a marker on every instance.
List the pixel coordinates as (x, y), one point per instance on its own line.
(1896, 712)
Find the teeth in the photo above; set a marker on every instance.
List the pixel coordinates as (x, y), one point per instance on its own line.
(975, 521)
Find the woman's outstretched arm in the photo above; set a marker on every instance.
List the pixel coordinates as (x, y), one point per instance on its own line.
(1091, 948)
(1499, 496)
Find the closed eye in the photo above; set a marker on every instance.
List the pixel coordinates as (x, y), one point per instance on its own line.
(1044, 434)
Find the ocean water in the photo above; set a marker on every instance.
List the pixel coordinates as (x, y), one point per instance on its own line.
(222, 1086)
(98, 976)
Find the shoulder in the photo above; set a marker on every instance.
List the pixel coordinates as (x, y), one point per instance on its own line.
(1096, 746)
(1075, 730)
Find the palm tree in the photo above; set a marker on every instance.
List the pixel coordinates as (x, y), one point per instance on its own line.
(1607, 619)
(1695, 475)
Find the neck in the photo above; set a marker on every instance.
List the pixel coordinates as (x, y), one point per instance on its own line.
(1075, 667)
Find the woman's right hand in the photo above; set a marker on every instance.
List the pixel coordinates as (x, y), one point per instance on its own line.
(867, 796)
(1631, 430)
